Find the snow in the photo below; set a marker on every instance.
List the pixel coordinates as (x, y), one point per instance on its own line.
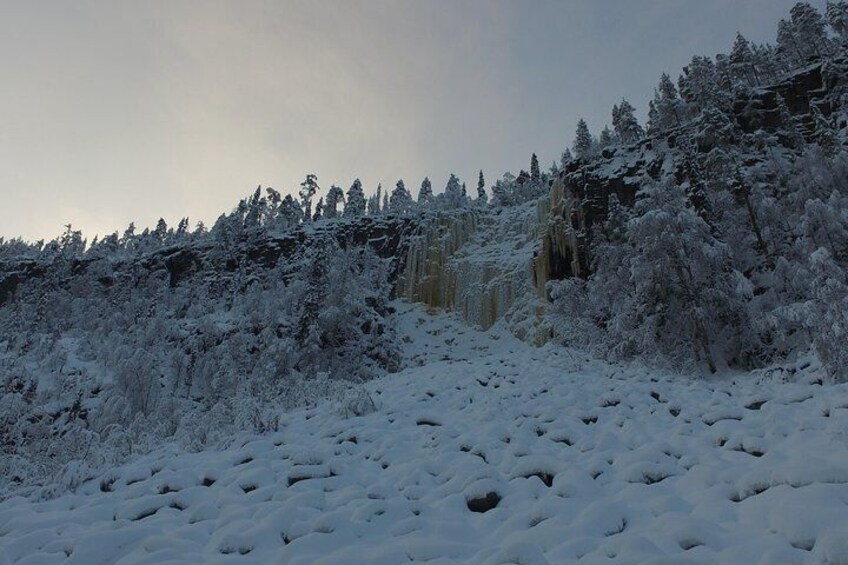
(484, 450)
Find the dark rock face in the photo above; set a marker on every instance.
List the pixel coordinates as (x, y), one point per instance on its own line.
(12, 276)
(620, 171)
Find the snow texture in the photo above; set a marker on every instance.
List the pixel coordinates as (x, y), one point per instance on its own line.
(484, 450)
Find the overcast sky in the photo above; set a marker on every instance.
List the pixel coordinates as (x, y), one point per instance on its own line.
(117, 111)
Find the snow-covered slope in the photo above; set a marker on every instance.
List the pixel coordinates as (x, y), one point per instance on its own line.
(485, 450)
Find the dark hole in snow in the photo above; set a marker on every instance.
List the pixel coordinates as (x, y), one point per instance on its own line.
(564, 440)
(689, 543)
(285, 538)
(207, 482)
(756, 490)
(165, 489)
(619, 529)
(241, 550)
(296, 479)
(595, 474)
(756, 405)
(430, 394)
(652, 478)
(483, 503)
(655, 395)
(427, 422)
(546, 478)
(803, 545)
(753, 452)
(674, 412)
(246, 460)
(540, 432)
(610, 403)
(145, 514)
(106, 485)
(177, 505)
(248, 488)
(589, 420)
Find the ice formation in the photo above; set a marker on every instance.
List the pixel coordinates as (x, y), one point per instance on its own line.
(488, 266)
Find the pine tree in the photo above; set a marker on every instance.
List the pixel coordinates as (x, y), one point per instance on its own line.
(583, 142)
(836, 13)
(625, 124)
(290, 211)
(566, 158)
(482, 198)
(741, 61)
(385, 206)
(606, 138)
(788, 45)
(375, 201)
(453, 193)
(308, 189)
(334, 196)
(355, 201)
(809, 27)
(824, 133)
(535, 173)
(425, 193)
(401, 200)
(666, 101)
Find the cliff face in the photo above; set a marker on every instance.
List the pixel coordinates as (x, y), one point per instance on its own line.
(220, 260)
(487, 264)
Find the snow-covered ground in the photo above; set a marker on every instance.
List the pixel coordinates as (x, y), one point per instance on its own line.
(485, 450)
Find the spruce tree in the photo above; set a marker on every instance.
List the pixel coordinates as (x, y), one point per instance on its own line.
(355, 206)
(535, 173)
(481, 189)
(836, 14)
(583, 142)
(308, 189)
(809, 27)
(400, 201)
(425, 193)
(625, 124)
(334, 196)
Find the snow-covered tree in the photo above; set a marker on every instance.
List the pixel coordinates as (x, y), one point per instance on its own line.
(355, 206)
(308, 189)
(425, 193)
(535, 172)
(808, 27)
(625, 124)
(452, 197)
(836, 13)
(482, 198)
(401, 200)
(583, 142)
(742, 62)
(335, 196)
(374, 201)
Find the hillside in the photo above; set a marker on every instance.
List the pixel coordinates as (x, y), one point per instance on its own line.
(484, 450)
(640, 353)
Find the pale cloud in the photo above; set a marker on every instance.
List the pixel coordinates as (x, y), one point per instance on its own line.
(127, 111)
